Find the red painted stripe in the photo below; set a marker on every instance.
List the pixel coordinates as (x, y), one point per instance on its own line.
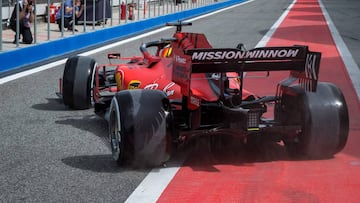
(233, 178)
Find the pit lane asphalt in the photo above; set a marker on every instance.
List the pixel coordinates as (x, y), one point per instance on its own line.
(52, 154)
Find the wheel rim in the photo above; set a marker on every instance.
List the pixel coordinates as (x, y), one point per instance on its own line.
(115, 136)
(92, 84)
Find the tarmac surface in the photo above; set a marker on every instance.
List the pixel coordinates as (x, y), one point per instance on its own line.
(50, 153)
(344, 15)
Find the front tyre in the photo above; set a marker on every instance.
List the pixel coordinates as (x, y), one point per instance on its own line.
(78, 80)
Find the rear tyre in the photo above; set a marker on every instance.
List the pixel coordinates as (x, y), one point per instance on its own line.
(138, 127)
(323, 116)
(78, 82)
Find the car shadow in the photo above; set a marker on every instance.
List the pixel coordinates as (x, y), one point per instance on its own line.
(90, 123)
(53, 104)
(202, 156)
(99, 164)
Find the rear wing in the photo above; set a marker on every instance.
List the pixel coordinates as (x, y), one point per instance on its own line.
(302, 63)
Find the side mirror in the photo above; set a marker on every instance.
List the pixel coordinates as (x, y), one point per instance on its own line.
(114, 56)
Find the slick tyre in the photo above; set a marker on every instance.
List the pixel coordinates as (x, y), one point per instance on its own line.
(78, 82)
(138, 128)
(323, 116)
(116, 131)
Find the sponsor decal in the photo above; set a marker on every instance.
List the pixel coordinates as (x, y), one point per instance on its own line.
(153, 86)
(195, 101)
(167, 89)
(134, 84)
(251, 54)
(179, 59)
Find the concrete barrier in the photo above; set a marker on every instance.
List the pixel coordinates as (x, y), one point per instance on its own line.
(28, 57)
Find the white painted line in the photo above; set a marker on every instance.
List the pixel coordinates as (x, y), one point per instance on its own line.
(57, 63)
(123, 41)
(351, 66)
(269, 34)
(31, 71)
(150, 189)
(221, 10)
(60, 62)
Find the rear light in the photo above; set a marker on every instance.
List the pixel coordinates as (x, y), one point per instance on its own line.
(253, 119)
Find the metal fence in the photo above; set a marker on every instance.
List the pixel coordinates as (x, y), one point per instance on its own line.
(97, 14)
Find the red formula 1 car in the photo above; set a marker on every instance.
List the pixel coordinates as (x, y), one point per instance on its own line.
(186, 88)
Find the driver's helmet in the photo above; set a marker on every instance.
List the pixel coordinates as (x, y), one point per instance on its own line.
(166, 51)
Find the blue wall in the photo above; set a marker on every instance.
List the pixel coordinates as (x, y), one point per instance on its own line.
(24, 57)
